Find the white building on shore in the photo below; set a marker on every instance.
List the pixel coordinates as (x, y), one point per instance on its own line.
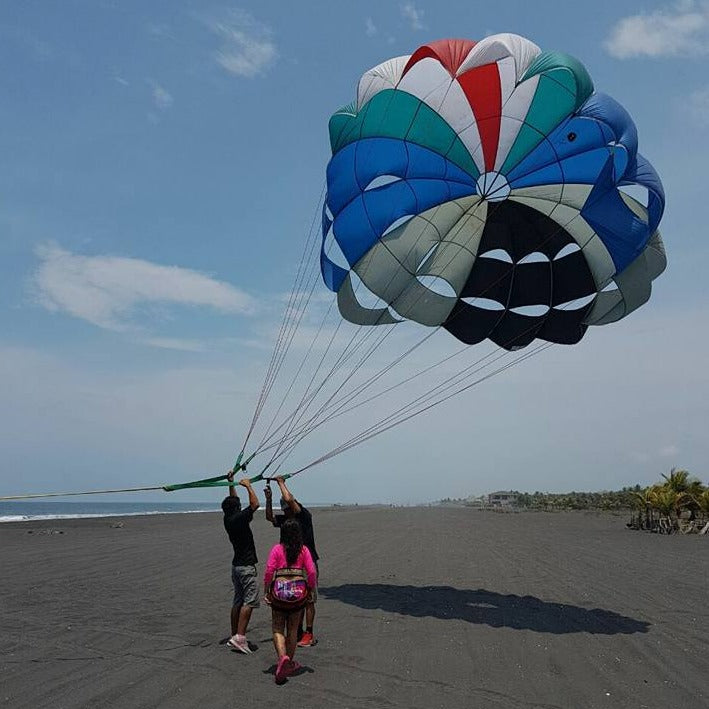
(503, 499)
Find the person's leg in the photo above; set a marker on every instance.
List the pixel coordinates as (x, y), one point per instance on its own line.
(238, 599)
(306, 638)
(309, 617)
(278, 623)
(244, 617)
(293, 623)
(245, 600)
(249, 587)
(235, 613)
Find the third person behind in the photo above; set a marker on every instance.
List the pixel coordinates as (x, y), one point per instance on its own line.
(292, 509)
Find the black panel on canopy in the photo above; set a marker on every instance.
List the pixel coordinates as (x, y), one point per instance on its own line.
(521, 230)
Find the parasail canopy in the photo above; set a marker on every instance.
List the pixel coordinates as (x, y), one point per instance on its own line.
(484, 187)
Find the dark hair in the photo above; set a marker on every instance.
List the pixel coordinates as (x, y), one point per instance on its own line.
(291, 539)
(231, 504)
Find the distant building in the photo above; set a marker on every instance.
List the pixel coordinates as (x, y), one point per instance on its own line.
(502, 499)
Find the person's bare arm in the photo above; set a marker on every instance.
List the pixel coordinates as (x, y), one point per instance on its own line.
(287, 495)
(269, 503)
(253, 500)
(230, 478)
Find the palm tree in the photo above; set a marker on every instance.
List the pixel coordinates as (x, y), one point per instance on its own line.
(668, 502)
(643, 502)
(677, 480)
(702, 501)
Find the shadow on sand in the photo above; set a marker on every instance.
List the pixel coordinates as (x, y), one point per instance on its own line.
(485, 608)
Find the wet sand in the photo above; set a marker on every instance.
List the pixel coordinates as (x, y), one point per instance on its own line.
(419, 608)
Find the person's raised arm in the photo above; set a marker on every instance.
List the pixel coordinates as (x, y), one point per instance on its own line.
(269, 502)
(230, 478)
(287, 495)
(253, 500)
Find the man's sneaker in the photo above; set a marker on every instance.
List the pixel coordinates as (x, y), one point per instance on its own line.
(238, 643)
(307, 640)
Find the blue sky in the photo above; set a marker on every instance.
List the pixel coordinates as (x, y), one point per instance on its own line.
(161, 163)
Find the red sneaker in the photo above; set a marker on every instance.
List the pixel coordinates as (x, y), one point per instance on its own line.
(282, 669)
(307, 640)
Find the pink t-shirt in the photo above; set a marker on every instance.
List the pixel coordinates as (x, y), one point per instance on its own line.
(277, 560)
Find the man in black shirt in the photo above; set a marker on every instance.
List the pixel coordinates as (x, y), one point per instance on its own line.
(237, 523)
(291, 508)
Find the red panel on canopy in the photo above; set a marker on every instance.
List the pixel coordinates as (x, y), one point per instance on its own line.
(482, 88)
(450, 52)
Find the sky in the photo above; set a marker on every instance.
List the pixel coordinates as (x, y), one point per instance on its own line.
(161, 166)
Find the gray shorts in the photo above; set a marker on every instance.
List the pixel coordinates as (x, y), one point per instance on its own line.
(245, 580)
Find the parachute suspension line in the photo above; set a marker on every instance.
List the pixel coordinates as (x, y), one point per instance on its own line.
(376, 430)
(311, 391)
(344, 409)
(341, 405)
(281, 346)
(293, 436)
(294, 311)
(441, 387)
(300, 309)
(341, 361)
(308, 396)
(73, 494)
(300, 368)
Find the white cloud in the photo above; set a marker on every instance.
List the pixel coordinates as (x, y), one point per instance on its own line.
(677, 31)
(162, 98)
(699, 105)
(370, 27)
(414, 15)
(107, 291)
(247, 47)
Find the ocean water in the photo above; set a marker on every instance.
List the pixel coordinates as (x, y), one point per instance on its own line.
(20, 510)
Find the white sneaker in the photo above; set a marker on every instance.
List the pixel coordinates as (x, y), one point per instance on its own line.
(238, 643)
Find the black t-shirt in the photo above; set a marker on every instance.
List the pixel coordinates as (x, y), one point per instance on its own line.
(305, 520)
(238, 527)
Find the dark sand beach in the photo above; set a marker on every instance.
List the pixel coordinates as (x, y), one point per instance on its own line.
(419, 608)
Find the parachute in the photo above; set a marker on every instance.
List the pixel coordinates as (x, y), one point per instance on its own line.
(485, 188)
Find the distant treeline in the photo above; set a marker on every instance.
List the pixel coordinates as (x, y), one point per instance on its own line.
(677, 494)
(607, 500)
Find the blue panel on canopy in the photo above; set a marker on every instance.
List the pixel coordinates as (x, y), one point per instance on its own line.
(607, 110)
(354, 167)
(332, 274)
(623, 234)
(643, 173)
(549, 175)
(354, 231)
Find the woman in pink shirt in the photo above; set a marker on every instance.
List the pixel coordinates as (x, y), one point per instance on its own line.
(289, 579)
